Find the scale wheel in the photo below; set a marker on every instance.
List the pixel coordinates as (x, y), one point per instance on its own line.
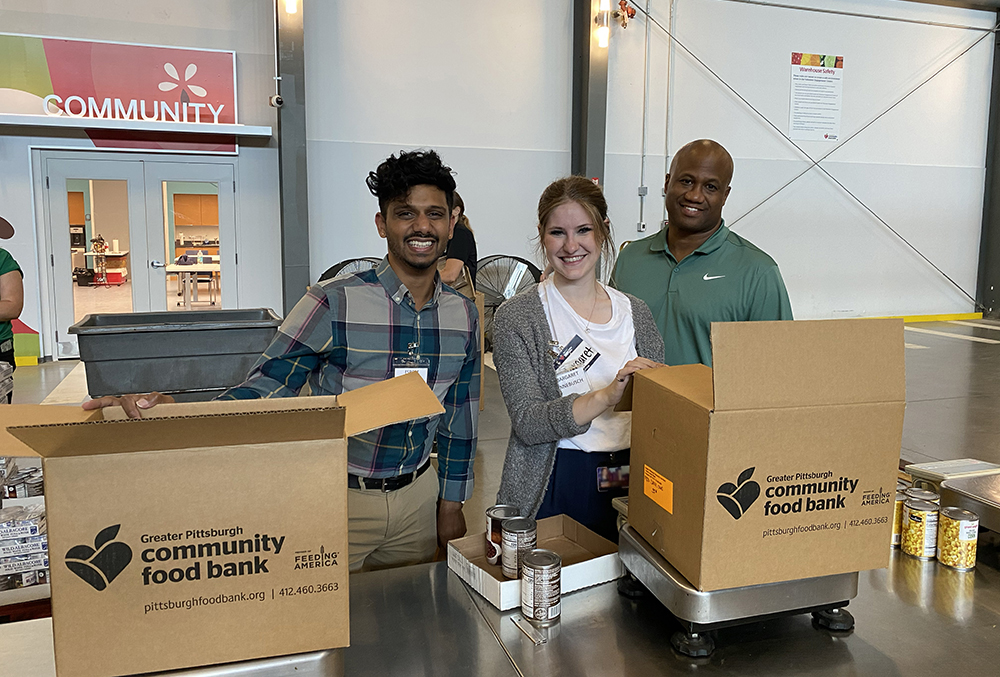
(692, 644)
(631, 587)
(837, 620)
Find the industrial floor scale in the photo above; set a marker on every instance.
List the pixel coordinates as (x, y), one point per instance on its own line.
(701, 612)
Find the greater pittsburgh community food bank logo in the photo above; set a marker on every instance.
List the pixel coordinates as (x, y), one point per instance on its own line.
(100, 565)
(737, 498)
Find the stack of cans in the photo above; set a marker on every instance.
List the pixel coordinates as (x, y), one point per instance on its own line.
(511, 541)
(23, 484)
(925, 530)
(24, 547)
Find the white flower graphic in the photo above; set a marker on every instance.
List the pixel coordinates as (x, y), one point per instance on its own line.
(189, 73)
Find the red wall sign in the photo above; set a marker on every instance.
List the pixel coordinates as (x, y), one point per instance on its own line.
(136, 83)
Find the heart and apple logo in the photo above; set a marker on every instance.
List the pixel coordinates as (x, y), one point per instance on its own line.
(737, 498)
(101, 564)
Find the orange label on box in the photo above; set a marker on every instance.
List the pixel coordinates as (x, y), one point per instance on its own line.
(658, 488)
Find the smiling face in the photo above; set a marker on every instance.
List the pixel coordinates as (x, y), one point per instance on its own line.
(697, 187)
(570, 242)
(416, 228)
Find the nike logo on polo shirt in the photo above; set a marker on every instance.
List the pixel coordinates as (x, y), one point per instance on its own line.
(712, 277)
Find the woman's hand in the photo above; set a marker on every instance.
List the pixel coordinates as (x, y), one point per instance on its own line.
(616, 388)
(588, 407)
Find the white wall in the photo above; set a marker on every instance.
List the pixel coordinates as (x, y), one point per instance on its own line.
(629, 71)
(921, 167)
(486, 84)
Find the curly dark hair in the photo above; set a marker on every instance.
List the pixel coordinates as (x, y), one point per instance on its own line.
(394, 178)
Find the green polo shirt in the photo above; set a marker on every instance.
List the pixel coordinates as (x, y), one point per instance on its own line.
(727, 279)
(7, 265)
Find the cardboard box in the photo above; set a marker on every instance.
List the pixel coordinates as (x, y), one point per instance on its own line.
(780, 463)
(587, 559)
(205, 533)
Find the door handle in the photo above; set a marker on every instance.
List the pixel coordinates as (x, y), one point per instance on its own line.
(157, 264)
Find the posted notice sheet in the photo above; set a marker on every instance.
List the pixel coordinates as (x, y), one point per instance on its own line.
(817, 95)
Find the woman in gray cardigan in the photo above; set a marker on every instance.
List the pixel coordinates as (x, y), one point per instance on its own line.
(558, 394)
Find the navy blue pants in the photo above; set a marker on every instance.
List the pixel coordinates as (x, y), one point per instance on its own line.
(573, 490)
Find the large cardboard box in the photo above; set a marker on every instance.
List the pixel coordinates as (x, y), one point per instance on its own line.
(205, 533)
(780, 463)
(587, 560)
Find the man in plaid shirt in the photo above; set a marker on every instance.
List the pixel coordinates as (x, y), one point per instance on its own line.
(358, 329)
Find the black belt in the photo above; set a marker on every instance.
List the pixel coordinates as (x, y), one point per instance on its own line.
(386, 484)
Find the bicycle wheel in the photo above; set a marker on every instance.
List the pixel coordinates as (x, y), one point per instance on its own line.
(350, 266)
(499, 277)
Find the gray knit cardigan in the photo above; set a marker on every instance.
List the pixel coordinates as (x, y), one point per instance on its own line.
(539, 415)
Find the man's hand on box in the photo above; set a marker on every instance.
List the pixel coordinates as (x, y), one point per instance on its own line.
(131, 404)
(450, 522)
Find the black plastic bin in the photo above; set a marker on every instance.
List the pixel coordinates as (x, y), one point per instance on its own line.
(194, 355)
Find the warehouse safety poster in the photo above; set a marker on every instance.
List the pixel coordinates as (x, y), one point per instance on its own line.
(817, 97)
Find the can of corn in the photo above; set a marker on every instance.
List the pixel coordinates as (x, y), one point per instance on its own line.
(923, 495)
(494, 530)
(897, 520)
(520, 535)
(919, 534)
(541, 587)
(958, 533)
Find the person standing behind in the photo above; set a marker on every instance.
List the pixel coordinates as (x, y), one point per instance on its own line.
(11, 304)
(564, 351)
(461, 248)
(353, 330)
(696, 271)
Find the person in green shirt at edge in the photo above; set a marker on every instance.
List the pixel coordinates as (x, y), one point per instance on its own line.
(11, 302)
(695, 270)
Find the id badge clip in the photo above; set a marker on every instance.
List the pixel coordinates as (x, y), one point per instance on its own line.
(412, 362)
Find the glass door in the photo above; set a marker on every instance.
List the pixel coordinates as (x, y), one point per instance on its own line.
(191, 235)
(96, 224)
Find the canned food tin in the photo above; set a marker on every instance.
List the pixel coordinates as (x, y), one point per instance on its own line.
(919, 536)
(495, 517)
(924, 495)
(541, 587)
(519, 537)
(897, 520)
(958, 533)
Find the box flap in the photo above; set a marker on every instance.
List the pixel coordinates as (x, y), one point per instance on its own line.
(394, 400)
(693, 382)
(227, 407)
(188, 432)
(36, 414)
(761, 365)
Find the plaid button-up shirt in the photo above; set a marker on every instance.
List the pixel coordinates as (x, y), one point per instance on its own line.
(344, 334)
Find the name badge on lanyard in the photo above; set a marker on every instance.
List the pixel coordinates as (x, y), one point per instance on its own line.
(571, 365)
(411, 362)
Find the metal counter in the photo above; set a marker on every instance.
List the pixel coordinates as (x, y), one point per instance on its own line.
(913, 618)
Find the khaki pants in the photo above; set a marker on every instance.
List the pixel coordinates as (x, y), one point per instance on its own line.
(393, 529)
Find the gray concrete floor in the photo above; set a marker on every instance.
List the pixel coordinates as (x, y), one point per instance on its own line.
(952, 385)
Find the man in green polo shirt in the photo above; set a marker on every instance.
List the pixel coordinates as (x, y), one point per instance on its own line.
(696, 271)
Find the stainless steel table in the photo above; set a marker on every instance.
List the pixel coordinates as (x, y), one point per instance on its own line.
(420, 620)
(915, 617)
